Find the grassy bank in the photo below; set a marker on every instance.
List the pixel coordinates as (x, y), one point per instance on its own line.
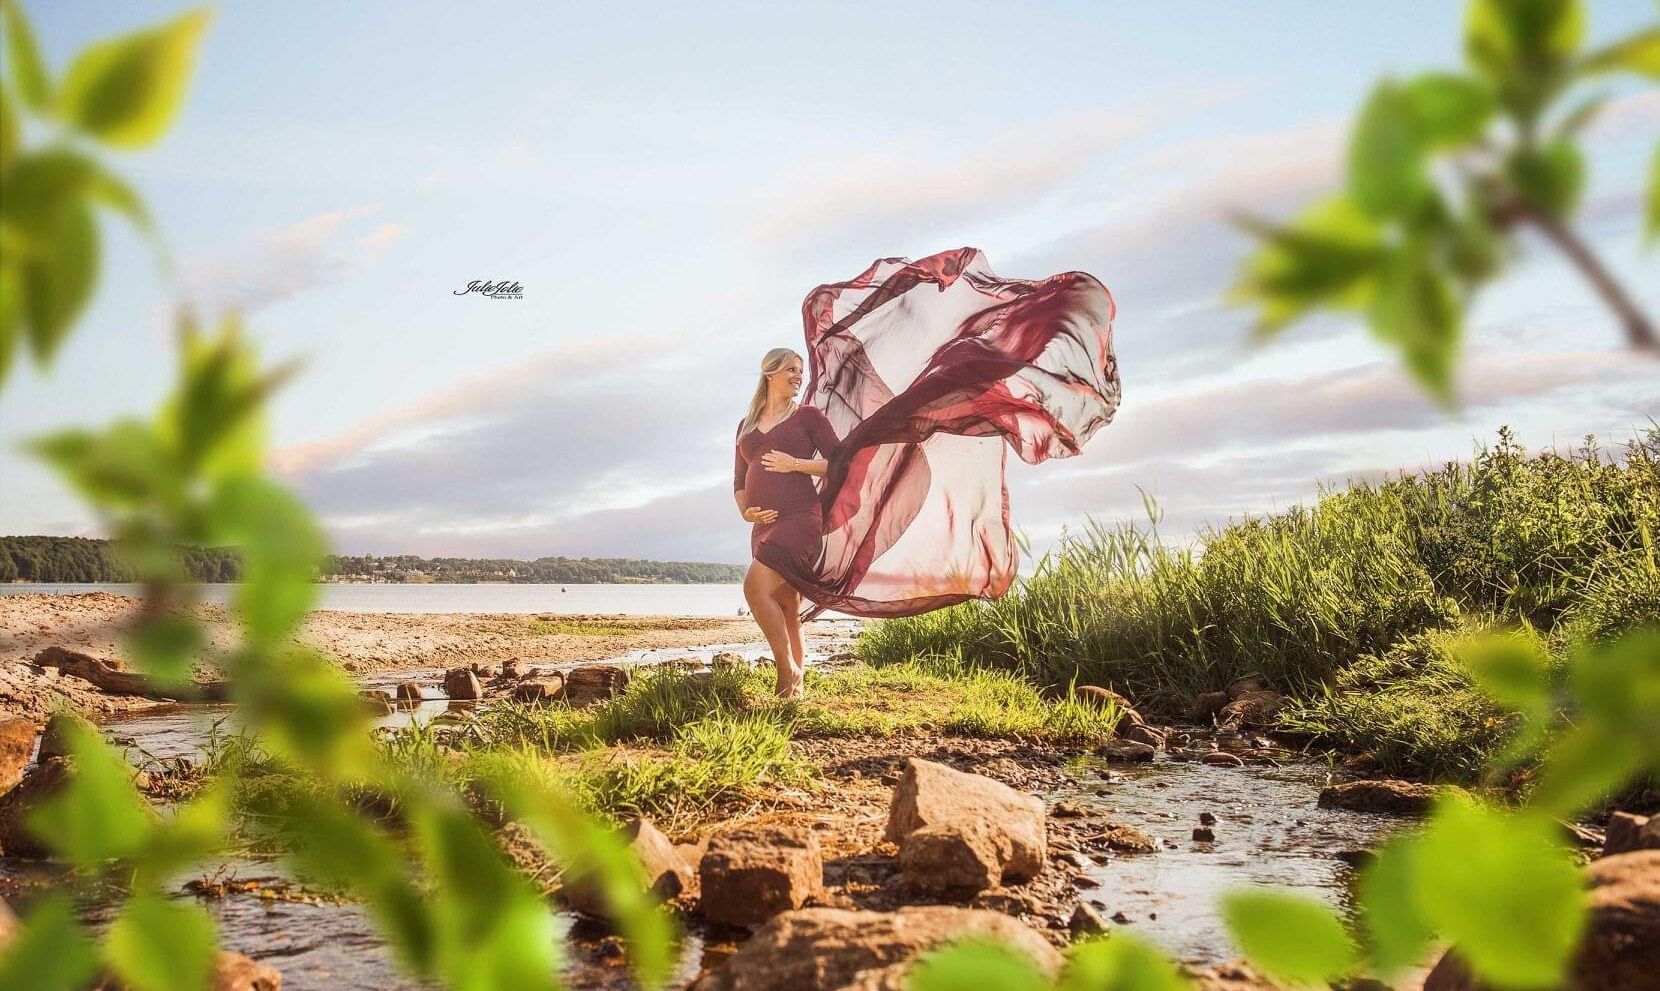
(1352, 605)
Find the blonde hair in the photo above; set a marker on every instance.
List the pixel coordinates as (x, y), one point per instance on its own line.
(773, 361)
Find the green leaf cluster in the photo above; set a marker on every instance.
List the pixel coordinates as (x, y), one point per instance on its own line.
(1441, 168)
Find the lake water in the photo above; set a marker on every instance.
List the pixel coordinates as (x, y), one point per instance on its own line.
(625, 599)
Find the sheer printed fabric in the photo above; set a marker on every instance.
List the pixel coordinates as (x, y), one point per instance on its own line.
(929, 372)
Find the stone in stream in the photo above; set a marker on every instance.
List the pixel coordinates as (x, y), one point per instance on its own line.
(1126, 839)
(1086, 921)
(537, 690)
(1131, 726)
(1620, 950)
(931, 794)
(510, 668)
(409, 691)
(40, 783)
(1252, 710)
(1221, 758)
(957, 857)
(751, 873)
(376, 702)
(666, 872)
(1204, 834)
(833, 949)
(1127, 751)
(1627, 832)
(17, 745)
(1402, 798)
(235, 972)
(462, 683)
(1207, 819)
(1207, 705)
(587, 684)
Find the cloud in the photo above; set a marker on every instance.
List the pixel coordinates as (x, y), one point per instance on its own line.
(278, 264)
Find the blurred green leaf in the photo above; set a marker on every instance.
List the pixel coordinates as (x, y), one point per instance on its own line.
(11, 314)
(1397, 933)
(42, 187)
(1387, 150)
(158, 944)
(97, 814)
(58, 282)
(1583, 765)
(1651, 222)
(1550, 177)
(282, 549)
(1417, 310)
(1619, 684)
(11, 131)
(1329, 255)
(117, 469)
(193, 831)
(1290, 937)
(1450, 109)
(165, 647)
(494, 932)
(126, 91)
(983, 964)
(214, 419)
(49, 951)
(1507, 37)
(1503, 891)
(1639, 53)
(34, 86)
(306, 710)
(1119, 963)
(1511, 669)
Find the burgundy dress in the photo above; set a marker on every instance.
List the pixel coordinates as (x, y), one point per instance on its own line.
(924, 375)
(790, 544)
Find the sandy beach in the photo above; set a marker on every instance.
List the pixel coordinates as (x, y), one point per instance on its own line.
(363, 643)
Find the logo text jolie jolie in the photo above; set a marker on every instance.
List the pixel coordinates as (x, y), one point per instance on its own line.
(493, 290)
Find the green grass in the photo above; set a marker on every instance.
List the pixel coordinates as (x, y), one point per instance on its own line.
(547, 628)
(1563, 543)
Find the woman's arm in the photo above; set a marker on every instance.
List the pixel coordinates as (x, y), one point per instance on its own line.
(780, 462)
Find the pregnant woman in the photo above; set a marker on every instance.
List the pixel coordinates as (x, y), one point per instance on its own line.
(923, 376)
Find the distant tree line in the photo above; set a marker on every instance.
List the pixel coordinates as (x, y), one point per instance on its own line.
(555, 570)
(81, 559)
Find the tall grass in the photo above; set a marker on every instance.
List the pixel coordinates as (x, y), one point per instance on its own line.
(1301, 595)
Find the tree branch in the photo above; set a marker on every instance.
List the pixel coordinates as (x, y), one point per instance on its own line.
(1638, 330)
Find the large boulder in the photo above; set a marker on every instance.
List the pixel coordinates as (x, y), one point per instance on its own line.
(1620, 950)
(462, 683)
(930, 794)
(1252, 710)
(534, 691)
(665, 872)
(832, 949)
(40, 783)
(1401, 798)
(587, 684)
(751, 873)
(1207, 705)
(957, 857)
(17, 747)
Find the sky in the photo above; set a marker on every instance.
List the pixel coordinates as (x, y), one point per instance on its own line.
(668, 181)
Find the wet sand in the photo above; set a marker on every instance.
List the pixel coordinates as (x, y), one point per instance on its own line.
(363, 643)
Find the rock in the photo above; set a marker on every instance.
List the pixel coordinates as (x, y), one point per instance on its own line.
(752, 873)
(726, 660)
(1245, 684)
(956, 857)
(1207, 704)
(1101, 698)
(666, 872)
(1204, 834)
(376, 702)
(409, 691)
(832, 949)
(1402, 798)
(1126, 839)
(1006, 900)
(462, 683)
(108, 676)
(38, 784)
(931, 794)
(587, 684)
(1627, 832)
(1221, 758)
(1069, 810)
(1620, 950)
(1086, 922)
(1127, 751)
(17, 747)
(538, 690)
(1137, 732)
(1252, 709)
(1235, 976)
(1207, 819)
(235, 972)
(510, 669)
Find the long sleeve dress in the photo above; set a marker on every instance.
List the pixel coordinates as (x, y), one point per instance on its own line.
(924, 375)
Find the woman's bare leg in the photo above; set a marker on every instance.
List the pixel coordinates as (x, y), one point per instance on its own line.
(789, 602)
(761, 585)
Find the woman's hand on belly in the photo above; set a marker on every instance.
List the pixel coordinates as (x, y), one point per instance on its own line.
(755, 514)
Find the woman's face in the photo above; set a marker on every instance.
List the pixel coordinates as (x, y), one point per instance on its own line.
(787, 379)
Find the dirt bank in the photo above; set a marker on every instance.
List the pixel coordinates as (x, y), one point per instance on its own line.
(364, 643)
